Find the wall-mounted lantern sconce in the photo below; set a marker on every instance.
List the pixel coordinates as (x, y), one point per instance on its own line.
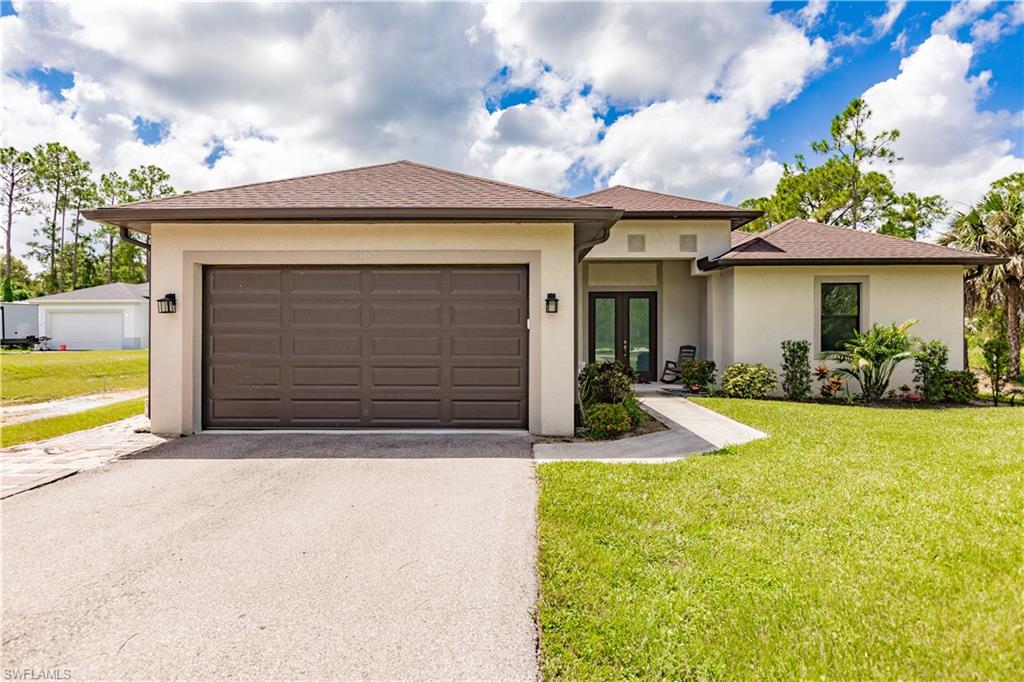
(551, 303)
(167, 304)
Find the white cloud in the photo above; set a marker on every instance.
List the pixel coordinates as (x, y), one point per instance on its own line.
(689, 131)
(810, 13)
(961, 13)
(998, 25)
(950, 147)
(884, 23)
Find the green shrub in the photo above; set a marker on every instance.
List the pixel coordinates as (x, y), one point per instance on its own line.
(748, 381)
(606, 382)
(995, 356)
(960, 387)
(698, 374)
(637, 416)
(930, 370)
(607, 420)
(871, 357)
(796, 369)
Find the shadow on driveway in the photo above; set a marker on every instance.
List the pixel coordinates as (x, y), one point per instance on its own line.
(346, 445)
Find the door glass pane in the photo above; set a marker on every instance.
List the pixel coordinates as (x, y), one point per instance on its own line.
(604, 329)
(640, 334)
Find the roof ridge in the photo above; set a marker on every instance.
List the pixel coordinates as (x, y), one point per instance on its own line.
(661, 194)
(499, 183)
(777, 227)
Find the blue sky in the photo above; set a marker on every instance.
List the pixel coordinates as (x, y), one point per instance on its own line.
(700, 100)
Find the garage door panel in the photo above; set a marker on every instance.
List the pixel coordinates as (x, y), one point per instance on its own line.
(326, 347)
(486, 315)
(326, 281)
(268, 410)
(500, 282)
(470, 377)
(350, 347)
(328, 376)
(423, 411)
(406, 376)
(405, 346)
(245, 281)
(251, 343)
(486, 410)
(246, 314)
(327, 314)
(418, 282)
(325, 411)
(246, 375)
(487, 346)
(405, 315)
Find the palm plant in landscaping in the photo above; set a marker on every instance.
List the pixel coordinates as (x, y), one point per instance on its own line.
(996, 226)
(871, 357)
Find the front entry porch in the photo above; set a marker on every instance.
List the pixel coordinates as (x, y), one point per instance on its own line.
(640, 313)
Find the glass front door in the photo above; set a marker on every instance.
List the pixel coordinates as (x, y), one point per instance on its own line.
(623, 327)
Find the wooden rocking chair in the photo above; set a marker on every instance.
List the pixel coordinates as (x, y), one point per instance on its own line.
(670, 374)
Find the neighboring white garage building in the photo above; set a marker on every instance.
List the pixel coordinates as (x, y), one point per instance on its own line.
(107, 317)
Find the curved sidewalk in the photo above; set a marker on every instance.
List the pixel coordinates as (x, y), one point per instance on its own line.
(692, 430)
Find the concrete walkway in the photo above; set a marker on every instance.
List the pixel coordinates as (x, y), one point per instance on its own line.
(30, 465)
(15, 414)
(692, 430)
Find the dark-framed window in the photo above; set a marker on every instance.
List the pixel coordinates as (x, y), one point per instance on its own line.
(840, 314)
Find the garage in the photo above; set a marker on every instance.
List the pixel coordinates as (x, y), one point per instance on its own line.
(95, 330)
(365, 346)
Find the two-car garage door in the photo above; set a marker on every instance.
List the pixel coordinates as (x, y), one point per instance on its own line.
(349, 347)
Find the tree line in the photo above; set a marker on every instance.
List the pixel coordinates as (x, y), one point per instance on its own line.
(848, 188)
(53, 185)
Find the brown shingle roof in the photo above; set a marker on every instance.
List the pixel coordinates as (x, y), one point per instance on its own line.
(642, 203)
(402, 189)
(803, 242)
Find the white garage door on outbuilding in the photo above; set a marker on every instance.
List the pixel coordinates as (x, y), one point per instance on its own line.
(107, 317)
(93, 330)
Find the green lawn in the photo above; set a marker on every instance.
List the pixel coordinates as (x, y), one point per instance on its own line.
(853, 543)
(41, 429)
(36, 377)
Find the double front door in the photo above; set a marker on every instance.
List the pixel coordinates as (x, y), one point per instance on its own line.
(623, 327)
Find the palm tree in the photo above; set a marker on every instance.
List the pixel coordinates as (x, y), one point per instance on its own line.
(995, 226)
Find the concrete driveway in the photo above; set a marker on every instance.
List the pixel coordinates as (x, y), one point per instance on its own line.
(283, 556)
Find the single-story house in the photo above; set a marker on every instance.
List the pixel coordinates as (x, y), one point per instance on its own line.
(106, 317)
(406, 296)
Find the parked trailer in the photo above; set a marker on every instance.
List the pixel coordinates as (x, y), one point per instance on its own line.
(19, 323)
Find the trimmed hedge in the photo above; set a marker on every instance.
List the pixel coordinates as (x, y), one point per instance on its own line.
(744, 380)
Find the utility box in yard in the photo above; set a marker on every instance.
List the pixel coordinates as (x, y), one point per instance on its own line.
(20, 324)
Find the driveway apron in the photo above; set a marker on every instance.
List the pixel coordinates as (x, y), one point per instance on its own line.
(279, 556)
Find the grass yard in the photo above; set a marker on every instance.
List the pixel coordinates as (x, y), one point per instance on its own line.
(50, 427)
(36, 377)
(853, 543)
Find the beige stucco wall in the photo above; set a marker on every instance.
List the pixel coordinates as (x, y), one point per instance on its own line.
(661, 239)
(180, 250)
(770, 304)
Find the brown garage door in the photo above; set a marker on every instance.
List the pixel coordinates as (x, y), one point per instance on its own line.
(350, 347)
